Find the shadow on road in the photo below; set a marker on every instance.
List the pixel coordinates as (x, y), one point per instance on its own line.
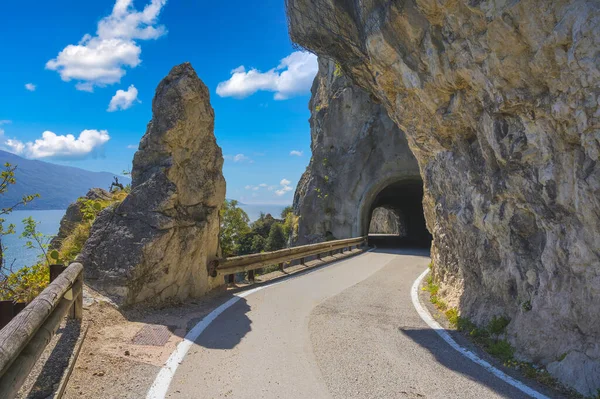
(229, 330)
(449, 358)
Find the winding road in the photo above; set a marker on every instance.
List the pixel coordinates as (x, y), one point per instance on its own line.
(347, 330)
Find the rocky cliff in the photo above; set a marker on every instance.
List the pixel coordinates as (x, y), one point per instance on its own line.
(73, 216)
(500, 104)
(385, 221)
(356, 151)
(156, 244)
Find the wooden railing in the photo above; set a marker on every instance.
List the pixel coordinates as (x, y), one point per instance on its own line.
(23, 340)
(249, 263)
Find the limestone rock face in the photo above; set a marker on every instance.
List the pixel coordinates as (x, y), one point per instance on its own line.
(385, 221)
(356, 150)
(156, 244)
(500, 104)
(73, 216)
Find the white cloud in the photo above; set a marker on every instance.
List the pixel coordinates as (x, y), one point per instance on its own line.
(283, 190)
(5, 122)
(132, 147)
(239, 158)
(293, 76)
(30, 86)
(123, 99)
(256, 188)
(100, 60)
(285, 187)
(52, 145)
(296, 153)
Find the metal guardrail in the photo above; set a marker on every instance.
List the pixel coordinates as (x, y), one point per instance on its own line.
(249, 263)
(23, 340)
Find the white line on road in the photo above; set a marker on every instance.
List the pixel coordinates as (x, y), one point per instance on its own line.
(427, 318)
(160, 387)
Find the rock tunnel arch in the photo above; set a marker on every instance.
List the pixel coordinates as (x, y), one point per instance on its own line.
(404, 197)
(359, 158)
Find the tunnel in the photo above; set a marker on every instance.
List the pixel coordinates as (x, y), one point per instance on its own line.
(398, 208)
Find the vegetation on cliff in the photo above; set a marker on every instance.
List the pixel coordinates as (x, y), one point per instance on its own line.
(26, 283)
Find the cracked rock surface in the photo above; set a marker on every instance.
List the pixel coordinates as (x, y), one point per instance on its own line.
(356, 151)
(499, 101)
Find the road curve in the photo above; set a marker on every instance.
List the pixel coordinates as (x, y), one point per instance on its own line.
(348, 330)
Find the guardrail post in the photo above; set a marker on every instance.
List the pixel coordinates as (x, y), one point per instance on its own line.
(302, 261)
(342, 250)
(251, 275)
(319, 256)
(230, 278)
(76, 311)
(281, 266)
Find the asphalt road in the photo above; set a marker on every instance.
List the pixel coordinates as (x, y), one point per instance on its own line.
(347, 330)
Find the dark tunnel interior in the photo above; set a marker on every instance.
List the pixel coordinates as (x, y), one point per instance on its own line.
(405, 199)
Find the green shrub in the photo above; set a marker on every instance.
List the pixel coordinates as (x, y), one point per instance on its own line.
(25, 284)
(452, 316)
(276, 239)
(464, 324)
(501, 349)
(338, 70)
(498, 324)
(72, 245)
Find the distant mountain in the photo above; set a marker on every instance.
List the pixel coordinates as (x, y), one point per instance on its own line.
(57, 185)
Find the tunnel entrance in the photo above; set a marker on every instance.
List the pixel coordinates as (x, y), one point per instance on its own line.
(395, 216)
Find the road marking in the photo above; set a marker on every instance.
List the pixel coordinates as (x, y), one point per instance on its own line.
(427, 318)
(161, 384)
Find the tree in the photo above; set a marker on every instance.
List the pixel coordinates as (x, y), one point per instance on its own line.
(290, 227)
(262, 226)
(251, 243)
(286, 211)
(26, 283)
(7, 178)
(258, 244)
(234, 225)
(276, 238)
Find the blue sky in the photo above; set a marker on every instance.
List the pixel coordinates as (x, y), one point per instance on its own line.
(57, 80)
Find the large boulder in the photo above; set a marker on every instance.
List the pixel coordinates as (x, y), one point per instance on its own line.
(500, 104)
(357, 150)
(157, 243)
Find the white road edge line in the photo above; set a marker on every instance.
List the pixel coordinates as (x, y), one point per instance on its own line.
(161, 384)
(427, 318)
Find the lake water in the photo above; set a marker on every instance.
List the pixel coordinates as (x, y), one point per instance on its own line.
(50, 222)
(15, 246)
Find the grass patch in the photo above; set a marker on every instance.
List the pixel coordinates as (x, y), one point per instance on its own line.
(72, 245)
(501, 349)
(498, 324)
(452, 316)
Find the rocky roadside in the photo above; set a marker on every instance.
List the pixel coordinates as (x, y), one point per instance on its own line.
(552, 390)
